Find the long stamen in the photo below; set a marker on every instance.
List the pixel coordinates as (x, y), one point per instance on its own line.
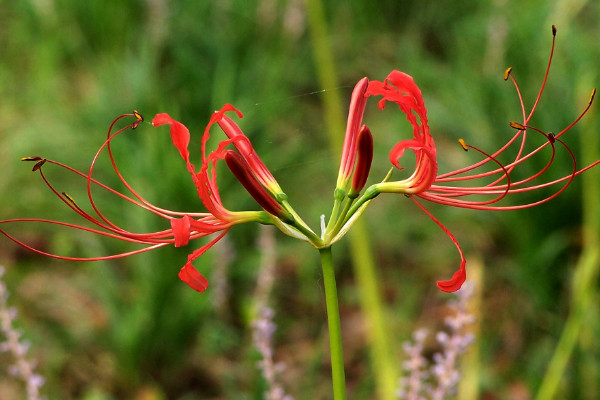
(437, 193)
(539, 96)
(526, 118)
(110, 257)
(106, 144)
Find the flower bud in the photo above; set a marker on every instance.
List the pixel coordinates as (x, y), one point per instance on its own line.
(242, 172)
(363, 163)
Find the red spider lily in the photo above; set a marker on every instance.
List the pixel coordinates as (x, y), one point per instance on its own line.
(476, 186)
(184, 226)
(481, 190)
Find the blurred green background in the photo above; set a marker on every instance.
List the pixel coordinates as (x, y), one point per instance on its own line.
(129, 329)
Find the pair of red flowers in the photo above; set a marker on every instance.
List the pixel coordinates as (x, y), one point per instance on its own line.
(460, 188)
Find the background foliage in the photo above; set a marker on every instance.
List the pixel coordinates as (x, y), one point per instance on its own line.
(131, 329)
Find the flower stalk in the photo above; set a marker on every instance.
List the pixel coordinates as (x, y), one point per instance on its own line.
(333, 322)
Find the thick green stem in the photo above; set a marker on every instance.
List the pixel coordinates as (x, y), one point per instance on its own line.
(333, 322)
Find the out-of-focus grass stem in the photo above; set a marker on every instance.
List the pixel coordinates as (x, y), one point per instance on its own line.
(382, 358)
(470, 366)
(586, 271)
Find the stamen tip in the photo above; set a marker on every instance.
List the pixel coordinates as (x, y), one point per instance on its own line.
(592, 96)
(517, 125)
(553, 30)
(507, 73)
(463, 144)
(38, 165)
(139, 119)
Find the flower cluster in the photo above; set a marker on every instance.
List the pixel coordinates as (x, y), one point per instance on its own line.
(438, 380)
(22, 368)
(263, 330)
(476, 186)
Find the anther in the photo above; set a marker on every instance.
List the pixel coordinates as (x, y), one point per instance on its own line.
(507, 73)
(38, 165)
(592, 96)
(68, 197)
(139, 119)
(463, 144)
(551, 137)
(553, 30)
(517, 125)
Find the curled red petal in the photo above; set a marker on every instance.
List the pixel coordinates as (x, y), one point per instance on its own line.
(193, 278)
(181, 230)
(189, 274)
(457, 280)
(180, 135)
(218, 115)
(398, 150)
(402, 90)
(215, 118)
(161, 119)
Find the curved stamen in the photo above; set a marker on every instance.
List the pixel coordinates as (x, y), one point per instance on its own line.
(569, 178)
(468, 191)
(43, 253)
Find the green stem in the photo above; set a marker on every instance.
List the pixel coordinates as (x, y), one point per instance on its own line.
(334, 215)
(340, 220)
(333, 321)
(301, 226)
(383, 362)
(369, 194)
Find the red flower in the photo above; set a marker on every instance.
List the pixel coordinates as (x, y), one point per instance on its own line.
(426, 184)
(476, 186)
(183, 226)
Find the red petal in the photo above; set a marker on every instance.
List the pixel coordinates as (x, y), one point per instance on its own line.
(180, 135)
(181, 230)
(398, 150)
(364, 147)
(217, 115)
(189, 274)
(244, 147)
(161, 119)
(193, 278)
(355, 115)
(455, 282)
